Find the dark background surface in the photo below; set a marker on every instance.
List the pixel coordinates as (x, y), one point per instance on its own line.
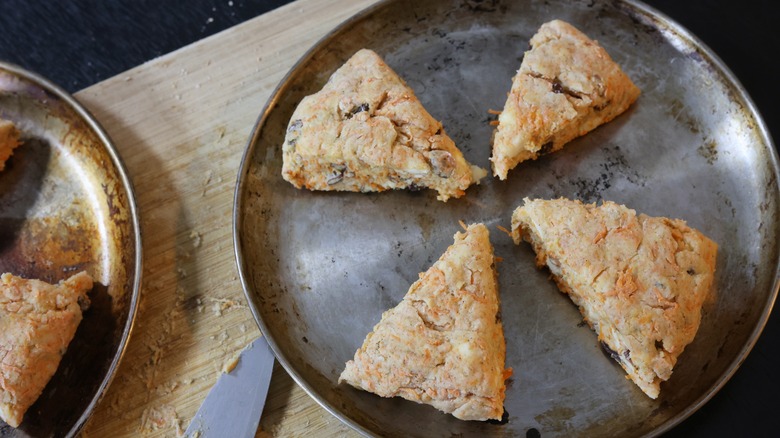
(76, 44)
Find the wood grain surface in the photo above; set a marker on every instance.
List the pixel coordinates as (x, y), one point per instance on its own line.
(181, 123)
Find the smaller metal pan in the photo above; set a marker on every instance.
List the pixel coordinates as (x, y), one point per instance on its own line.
(67, 205)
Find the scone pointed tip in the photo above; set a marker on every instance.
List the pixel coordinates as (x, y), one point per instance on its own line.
(567, 85)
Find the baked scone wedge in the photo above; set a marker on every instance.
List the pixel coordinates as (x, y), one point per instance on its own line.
(366, 131)
(567, 86)
(639, 281)
(37, 322)
(443, 345)
(9, 140)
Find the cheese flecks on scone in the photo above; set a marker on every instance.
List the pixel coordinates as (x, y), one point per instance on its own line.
(9, 140)
(366, 131)
(639, 281)
(443, 345)
(567, 86)
(37, 322)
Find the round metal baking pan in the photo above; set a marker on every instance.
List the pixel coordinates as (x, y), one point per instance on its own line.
(66, 205)
(319, 268)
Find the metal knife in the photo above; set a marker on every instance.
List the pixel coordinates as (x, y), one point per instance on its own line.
(233, 406)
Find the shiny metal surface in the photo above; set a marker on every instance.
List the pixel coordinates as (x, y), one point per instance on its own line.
(320, 268)
(234, 405)
(66, 204)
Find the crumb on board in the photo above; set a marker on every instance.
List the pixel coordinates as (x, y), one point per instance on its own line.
(231, 363)
(157, 346)
(220, 305)
(209, 176)
(158, 418)
(222, 337)
(168, 388)
(196, 239)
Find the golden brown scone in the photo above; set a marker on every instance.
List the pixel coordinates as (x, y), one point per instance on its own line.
(567, 85)
(639, 281)
(366, 131)
(9, 140)
(37, 322)
(443, 345)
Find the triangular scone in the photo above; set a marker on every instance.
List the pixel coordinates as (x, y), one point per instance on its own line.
(567, 85)
(9, 140)
(639, 281)
(443, 345)
(366, 131)
(37, 322)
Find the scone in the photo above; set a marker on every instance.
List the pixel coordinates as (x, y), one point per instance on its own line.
(9, 140)
(37, 322)
(639, 281)
(567, 85)
(443, 345)
(366, 131)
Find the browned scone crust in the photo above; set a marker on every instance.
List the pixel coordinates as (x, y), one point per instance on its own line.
(367, 131)
(639, 281)
(443, 345)
(9, 140)
(567, 85)
(37, 322)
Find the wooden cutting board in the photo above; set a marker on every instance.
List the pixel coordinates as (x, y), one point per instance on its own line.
(181, 123)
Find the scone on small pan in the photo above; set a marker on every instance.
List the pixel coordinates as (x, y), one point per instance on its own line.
(639, 281)
(37, 322)
(443, 345)
(567, 86)
(9, 140)
(366, 131)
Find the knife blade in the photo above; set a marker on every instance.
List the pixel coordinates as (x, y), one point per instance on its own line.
(235, 403)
